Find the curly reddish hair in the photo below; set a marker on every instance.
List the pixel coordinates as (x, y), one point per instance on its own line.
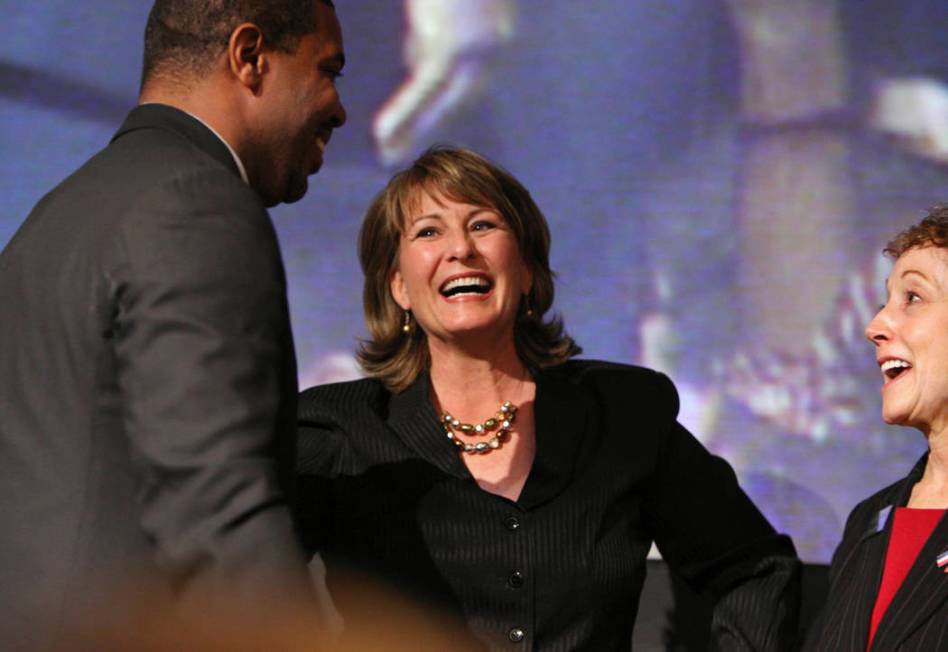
(932, 231)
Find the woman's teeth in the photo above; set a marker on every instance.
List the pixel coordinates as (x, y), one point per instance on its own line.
(892, 368)
(465, 285)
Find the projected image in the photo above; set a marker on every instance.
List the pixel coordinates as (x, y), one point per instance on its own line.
(720, 178)
(448, 47)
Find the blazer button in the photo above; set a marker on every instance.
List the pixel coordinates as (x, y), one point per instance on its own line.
(516, 579)
(512, 523)
(515, 635)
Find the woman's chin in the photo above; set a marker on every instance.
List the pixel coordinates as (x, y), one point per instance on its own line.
(904, 418)
(889, 421)
(473, 335)
(894, 417)
(478, 328)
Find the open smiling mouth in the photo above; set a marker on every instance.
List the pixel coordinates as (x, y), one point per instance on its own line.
(892, 369)
(467, 285)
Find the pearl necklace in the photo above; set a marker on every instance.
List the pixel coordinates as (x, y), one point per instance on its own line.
(500, 422)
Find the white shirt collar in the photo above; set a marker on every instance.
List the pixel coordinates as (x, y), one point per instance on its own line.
(240, 164)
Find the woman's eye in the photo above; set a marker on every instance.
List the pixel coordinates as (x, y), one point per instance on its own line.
(425, 232)
(482, 225)
(912, 297)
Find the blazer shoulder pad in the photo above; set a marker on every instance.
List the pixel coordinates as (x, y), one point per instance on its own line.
(342, 398)
(631, 384)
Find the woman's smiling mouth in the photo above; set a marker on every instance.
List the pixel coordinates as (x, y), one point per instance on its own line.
(465, 286)
(893, 368)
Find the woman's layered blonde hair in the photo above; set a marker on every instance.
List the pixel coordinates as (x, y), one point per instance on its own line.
(397, 357)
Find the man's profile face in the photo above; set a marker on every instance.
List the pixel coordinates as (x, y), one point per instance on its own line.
(299, 108)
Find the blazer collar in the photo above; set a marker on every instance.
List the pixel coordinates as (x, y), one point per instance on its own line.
(162, 116)
(924, 589)
(899, 496)
(860, 572)
(412, 416)
(562, 413)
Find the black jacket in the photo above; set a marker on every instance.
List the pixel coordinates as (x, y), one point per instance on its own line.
(383, 491)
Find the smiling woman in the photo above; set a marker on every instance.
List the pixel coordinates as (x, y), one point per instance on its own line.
(430, 206)
(460, 272)
(911, 347)
(889, 578)
(483, 471)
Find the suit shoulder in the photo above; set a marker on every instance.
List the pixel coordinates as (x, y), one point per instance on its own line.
(870, 514)
(626, 384)
(156, 161)
(604, 373)
(341, 426)
(869, 508)
(341, 398)
(144, 175)
(177, 166)
(174, 150)
(590, 369)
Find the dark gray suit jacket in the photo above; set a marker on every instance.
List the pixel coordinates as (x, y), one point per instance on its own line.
(147, 387)
(917, 617)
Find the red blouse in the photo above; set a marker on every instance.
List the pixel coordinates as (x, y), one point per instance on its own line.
(910, 530)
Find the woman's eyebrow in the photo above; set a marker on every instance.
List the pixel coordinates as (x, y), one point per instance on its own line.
(426, 216)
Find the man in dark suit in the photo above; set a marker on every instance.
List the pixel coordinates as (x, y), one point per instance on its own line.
(147, 375)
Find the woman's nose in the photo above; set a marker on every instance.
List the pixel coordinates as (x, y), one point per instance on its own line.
(462, 246)
(879, 329)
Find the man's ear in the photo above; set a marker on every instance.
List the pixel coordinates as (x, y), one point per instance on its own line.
(245, 55)
(397, 285)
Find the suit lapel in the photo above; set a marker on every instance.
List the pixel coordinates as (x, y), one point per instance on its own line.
(864, 575)
(856, 577)
(561, 413)
(413, 419)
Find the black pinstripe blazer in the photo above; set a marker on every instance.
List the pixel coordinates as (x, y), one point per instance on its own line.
(917, 617)
(383, 491)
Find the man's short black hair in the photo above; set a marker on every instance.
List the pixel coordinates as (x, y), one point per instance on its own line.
(185, 36)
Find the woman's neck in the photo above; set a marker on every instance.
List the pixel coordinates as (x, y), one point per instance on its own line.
(932, 490)
(472, 386)
(937, 468)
